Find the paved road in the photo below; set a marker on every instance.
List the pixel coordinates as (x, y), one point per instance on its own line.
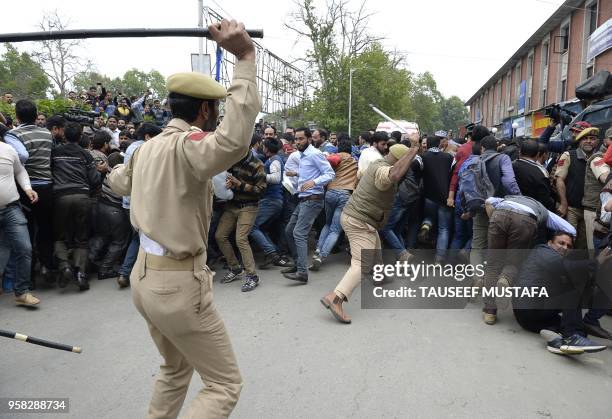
(298, 362)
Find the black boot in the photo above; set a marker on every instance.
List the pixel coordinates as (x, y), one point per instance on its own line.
(66, 275)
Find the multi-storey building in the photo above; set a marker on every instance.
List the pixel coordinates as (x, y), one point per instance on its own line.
(571, 46)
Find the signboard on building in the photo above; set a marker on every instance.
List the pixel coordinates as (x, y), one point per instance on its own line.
(539, 123)
(507, 128)
(522, 96)
(600, 40)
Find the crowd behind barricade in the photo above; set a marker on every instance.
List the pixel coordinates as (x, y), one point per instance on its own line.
(60, 221)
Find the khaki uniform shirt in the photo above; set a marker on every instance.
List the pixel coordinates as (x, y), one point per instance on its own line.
(169, 177)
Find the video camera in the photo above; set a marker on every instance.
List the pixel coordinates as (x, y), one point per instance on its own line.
(85, 118)
(559, 115)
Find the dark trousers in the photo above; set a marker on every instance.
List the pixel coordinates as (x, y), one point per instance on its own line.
(289, 204)
(566, 322)
(71, 226)
(112, 231)
(509, 233)
(40, 222)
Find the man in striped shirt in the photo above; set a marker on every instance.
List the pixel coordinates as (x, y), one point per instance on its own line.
(38, 142)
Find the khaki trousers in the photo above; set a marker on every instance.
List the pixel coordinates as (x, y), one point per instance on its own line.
(365, 252)
(589, 226)
(175, 298)
(241, 220)
(575, 216)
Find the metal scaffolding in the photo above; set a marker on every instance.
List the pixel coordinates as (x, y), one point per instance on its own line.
(282, 86)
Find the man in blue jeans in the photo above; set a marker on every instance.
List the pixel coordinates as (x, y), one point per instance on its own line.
(13, 224)
(314, 173)
(437, 173)
(271, 204)
(338, 193)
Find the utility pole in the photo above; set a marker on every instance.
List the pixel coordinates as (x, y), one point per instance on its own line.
(350, 115)
(201, 40)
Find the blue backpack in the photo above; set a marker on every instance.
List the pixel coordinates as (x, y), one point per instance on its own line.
(475, 184)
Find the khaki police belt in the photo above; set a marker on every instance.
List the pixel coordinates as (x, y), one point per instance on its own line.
(165, 263)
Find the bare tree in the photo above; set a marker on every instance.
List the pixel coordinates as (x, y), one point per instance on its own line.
(58, 57)
(335, 34)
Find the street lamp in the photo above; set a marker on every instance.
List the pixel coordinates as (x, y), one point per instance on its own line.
(515, 126)
(350, 100)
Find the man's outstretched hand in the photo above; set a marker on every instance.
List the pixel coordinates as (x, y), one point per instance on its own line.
(231, 36)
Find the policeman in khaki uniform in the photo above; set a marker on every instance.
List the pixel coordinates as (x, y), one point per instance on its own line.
(365, 213)
(169, 180)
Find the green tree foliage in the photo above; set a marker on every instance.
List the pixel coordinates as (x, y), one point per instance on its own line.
(377, 80)
(133, 83)
(21, 75)
(453, 113)
(339, 41)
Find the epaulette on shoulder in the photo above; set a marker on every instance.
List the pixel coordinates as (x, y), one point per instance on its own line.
(196, 135)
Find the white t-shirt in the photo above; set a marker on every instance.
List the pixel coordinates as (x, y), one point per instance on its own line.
(368, 155)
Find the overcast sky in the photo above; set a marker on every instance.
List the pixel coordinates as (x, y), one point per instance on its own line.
(462, 42)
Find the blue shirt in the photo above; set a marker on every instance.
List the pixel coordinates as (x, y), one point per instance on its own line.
(126, 158)
(14, 142)
(314, 166)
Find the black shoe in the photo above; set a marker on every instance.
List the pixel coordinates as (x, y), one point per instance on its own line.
(251, 282)
(596, 330)
(297, 276)
(66, 275)
(269, 260)
(82, 281)
(289, 270)
(47, 275)
(232, 275)
(123, 282)
(107, 274)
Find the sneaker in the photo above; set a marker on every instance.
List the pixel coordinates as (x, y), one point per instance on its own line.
(251, 282)
(577, 342)
(26, 299)
(554, 346)
(283, 262)
(232, 275)
(123, 281)
(82, 281)
(423, 235)
(316, 262)
(489, 318)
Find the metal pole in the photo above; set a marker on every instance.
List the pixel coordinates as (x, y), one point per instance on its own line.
(201, 26)
(381, 113)
(350, 100)
(114, 33)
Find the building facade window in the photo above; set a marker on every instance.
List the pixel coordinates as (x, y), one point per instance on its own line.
(590, 24)
(529, 81)
(544, 71)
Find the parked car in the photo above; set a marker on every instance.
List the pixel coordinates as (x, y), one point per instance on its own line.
(598, 115)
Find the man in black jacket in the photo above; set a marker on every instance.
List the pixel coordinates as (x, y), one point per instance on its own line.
(437, 171)
(532, 178)
(564, 279)
(74, 177)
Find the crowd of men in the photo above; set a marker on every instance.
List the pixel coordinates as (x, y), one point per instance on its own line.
(301, 190)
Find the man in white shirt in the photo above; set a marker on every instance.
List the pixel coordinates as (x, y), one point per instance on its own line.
(377, 150)
(14, 235)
